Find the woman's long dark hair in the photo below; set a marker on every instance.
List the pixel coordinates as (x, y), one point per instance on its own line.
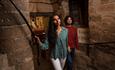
(52, 35)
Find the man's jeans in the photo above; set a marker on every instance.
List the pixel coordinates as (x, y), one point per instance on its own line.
(70, 58)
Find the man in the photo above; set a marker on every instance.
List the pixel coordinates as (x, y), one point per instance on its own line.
(72, 41)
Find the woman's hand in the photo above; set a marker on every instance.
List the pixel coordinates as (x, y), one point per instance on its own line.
(38, 39)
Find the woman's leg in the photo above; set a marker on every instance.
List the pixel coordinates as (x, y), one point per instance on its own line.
(62, 61)
(56, 63)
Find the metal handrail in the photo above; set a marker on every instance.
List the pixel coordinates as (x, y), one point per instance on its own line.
(22, 16)
(92, 45)
(95, 43)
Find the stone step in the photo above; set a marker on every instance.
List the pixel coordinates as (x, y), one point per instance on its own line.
(82, 61)
(4, 63)
(3, 60)
(11, 68)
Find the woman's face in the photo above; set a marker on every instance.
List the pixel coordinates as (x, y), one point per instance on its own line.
(56, 20)
(69, 20)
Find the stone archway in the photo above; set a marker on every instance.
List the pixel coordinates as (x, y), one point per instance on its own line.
(15, 49)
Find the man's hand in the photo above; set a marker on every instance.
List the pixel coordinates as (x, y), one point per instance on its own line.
(69, 50)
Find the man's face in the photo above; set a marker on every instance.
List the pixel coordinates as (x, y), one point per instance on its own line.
(69, 20)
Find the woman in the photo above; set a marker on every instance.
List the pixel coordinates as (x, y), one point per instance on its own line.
(56, 42)
(72, 41)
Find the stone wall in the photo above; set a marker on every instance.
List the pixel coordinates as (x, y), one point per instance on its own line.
(102, 34)
(15, 49)
(59, 7)
(102, 20)
(40, 6)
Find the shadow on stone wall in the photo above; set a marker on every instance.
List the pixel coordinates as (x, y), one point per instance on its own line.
(102, 56)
